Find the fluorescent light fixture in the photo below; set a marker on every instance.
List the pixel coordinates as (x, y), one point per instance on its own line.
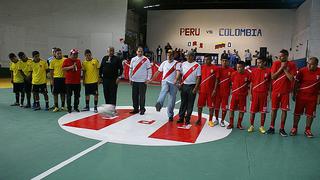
(151, 6)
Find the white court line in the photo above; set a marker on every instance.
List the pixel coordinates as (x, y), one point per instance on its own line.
(73, 158)
(68, 161)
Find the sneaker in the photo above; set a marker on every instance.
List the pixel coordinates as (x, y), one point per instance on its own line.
(251, 129)
(240, 127)
(170, 119)
(76, 110)
(210, 123)
(46, 108)
(283, 133)
(27, 106)
(86, 109)
(56, 109)
(158, 106)
(198, 122)
(134, 112)
(308, 133)
(142, 112)
(216, 122)
(37, 108)
(21, 105)
(63, 108)
(262, 130)
(95, 110)
(180, 121)
(222, 124)
(230, 126)
(293, 132)
(270, 131)
(15, 104)
(69, 110)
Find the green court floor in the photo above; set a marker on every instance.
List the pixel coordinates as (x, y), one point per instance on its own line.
(32, 142)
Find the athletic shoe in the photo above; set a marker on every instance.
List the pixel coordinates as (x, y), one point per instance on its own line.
(63, 108)
(170, 119)
(21, 105)
(198, 122)
(283, 133)
(240, 127)
(158, 106)
(222, 124)
(216, 122)
(95, 110)
(69, 110)
(230, 126)
(308, 133)
(46, 108)
(180, 121)
(251, 129)
(270, 131)
(37, 108)
(15, 104)
(27, 106)
(134, 112)
(56, 109)
(86, 109)
(262, 130)
(142, 112)
(210, 123)
(293, 132)
(76, 110)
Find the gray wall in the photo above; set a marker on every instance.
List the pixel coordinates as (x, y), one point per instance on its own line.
(38, 25)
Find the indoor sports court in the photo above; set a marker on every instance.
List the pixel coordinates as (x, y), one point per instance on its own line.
(49, 143)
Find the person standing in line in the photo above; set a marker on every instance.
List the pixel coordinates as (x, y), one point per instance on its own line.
(72, 68)
(159, 54)
(140, 74)
(248, 57)
(17, 80)
(25, 67)
(110, 73)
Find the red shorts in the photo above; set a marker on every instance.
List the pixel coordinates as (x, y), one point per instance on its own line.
(305, 105)
(277, 98)
(238, 103)
(259, 102)
(221, 101)
(205, 99)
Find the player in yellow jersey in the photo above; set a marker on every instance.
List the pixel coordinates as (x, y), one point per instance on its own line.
(90, 67)
(25, 66)
(16, 79)
(39, 69)
(57, 79)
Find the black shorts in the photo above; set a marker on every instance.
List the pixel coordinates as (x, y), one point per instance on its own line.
(39, 88)
(59, 86)
(18, 87)
(27, 87)
(91, 89)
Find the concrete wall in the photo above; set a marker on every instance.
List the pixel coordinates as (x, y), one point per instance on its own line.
(38, 25)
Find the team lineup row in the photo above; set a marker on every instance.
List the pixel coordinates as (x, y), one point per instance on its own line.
(213, 84)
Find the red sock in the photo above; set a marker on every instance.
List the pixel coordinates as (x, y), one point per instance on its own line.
(231, 121)
(224, 113)
(251, 120)
(240, 120)
(263, 119)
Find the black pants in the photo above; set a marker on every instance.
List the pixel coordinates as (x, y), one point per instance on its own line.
(139, 95)
(187, 101)
(75, 90)
(110, 90)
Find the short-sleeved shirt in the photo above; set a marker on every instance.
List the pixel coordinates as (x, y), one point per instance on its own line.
(39, 72)
(25, 66)
(91, 71)
(195, 72)
(260, 79)
(282, 84)
(17, 77)
(309, 83)
(209, 75)
(142, 73)
(56, 66)
(169, 70)
(240, 83)
(223, 88)
(73, 76)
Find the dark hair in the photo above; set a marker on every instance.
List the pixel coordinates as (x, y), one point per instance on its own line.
(314, 58)
(20, 54)
(57, 50)
(208, 56)
(34, 53)
(263, 59)
(12, 55)
(87, 51)
(241, 63)
(285, 52)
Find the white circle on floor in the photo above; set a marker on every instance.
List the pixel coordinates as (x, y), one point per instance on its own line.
(150, 129)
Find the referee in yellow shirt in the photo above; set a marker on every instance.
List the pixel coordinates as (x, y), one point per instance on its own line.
(90, 67)
(57, 79)
(25, 66)
(39, 69)
(16, 79)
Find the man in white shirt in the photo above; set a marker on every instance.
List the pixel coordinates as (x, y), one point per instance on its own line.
(139, 75)
(190, 79)
(170, 70)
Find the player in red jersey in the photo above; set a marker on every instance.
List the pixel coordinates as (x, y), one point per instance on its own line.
(240, 80)
(282, 75)
(306, 94)
(260, 86)
(207, 86)
(223, 90)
